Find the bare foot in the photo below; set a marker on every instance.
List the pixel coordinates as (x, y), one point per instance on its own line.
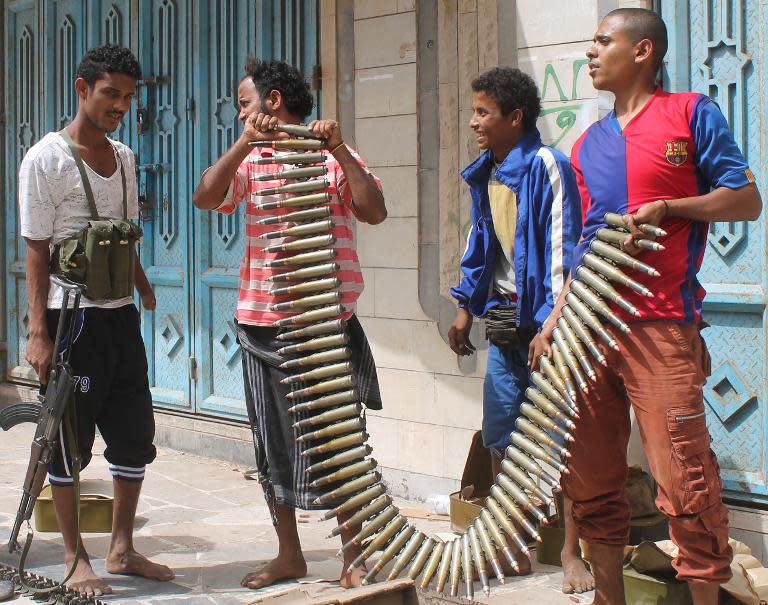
(85, 581)
(576, 577)
(354, 578)
(277, 569)
(131, 563)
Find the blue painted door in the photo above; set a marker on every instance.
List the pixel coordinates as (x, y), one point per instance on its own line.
(185, 117)
(718, 48)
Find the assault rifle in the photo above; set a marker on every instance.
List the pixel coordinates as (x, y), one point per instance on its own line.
(48, 414)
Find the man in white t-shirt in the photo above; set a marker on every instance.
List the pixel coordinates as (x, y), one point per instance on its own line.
(108, 358)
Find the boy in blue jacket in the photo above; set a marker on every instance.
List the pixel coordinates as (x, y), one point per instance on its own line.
(526, 221)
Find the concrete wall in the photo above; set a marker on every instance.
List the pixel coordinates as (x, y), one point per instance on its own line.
(411, 64)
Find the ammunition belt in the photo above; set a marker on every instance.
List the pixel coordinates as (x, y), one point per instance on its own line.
(502, 330)
(62, 596)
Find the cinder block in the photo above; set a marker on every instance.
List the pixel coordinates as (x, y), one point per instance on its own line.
(456, 446)
(365, 9)
(385, 437)
(397, 294)
(409, 395)
(459, 399)
(392, 244)
(365, 304)
(388, 40)
(419, 448)
(385, 91)
(542, 23)
(400, 190)
(388, 141)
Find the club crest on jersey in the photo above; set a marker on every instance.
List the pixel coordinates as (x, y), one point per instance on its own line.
(677, 152)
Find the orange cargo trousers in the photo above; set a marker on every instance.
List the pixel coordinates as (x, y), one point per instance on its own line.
(660, 371)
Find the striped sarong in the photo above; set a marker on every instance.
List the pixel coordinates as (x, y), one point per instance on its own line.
(278, 460)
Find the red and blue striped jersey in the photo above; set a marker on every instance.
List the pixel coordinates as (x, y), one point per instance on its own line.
(678, 146)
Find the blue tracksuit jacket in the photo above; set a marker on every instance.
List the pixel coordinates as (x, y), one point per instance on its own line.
(548, 228)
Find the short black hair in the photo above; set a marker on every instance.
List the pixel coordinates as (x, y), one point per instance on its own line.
(511, 89)
(269, 75)
(108, 58)
(645, 24)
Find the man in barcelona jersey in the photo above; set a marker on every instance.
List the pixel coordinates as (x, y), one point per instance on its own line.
(669, 160)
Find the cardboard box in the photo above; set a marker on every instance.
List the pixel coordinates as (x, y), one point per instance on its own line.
(96, 499)
(478, 474)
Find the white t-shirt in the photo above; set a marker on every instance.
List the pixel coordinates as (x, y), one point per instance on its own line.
(52, 199)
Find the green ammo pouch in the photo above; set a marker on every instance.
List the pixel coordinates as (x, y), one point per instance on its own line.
(101, 256)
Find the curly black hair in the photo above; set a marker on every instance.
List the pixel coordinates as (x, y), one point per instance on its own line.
(108, 58)
(511, 89)
(269, 75)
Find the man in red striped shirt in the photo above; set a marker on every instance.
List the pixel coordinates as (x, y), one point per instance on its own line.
(273, 93)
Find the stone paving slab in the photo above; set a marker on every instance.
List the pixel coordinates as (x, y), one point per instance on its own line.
(203, 519)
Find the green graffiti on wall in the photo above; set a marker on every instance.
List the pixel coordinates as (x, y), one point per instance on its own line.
(567, 111)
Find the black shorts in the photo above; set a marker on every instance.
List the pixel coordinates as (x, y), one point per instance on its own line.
(112, 393)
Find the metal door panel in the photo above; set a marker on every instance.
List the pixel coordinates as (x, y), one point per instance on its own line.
(164, 179)
(723, 42)
(224, 41)
(23, 115)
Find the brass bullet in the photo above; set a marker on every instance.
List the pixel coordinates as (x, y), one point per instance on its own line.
(356, 501)
(300, 187)
(335, 384)
(326, 327)
(547, 406)
(529, 464)
(292, 173)
(373, 526)
(408, 553)
(389, 553)
(304, 273)
(289, 144)
(368, 511)
(610, 271)
(508, 505)
(297, 130)
(603, 288)
(307, 287)
(550, 372)
(351, 487)
(618, 256)
(580, 330)
(340, 413)
(524, 480)
(612, 236)
(337, 444)
(428, 546)
(379, 540)
(490, 550)
(526, 427)
(494, 516)
(324, 342)
(545, 386)
(537, 451)
(592, 300)
(291, 158)
(325, 402)
(617, 220)
(310, 316)
(320, 373)
(315, 300)
(305, 243)
(305, 258)
(353, 470)
(456, 567)
(300, 230)
(542, 419)
(562, 369)
(444, 569)
(312, 199)
(317, 358)
(519, 497)
(478, 559)
(570, 359)
(466, 565)
(340, 459)
(575, 345)
(590, 319)
(431, 568)
(340, 428)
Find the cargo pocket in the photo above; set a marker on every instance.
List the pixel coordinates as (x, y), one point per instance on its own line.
(694, 471)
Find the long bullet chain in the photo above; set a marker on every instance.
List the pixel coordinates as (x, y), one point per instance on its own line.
(61, 596)
(542, 432)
